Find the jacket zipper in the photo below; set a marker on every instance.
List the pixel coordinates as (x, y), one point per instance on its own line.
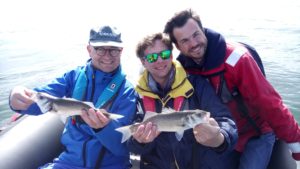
(93, 87)
(84, 151)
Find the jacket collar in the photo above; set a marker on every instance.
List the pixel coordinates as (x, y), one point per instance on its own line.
(99, 75)
(180, 87)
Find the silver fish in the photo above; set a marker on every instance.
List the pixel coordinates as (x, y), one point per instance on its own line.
(169, 121)
(65, 106)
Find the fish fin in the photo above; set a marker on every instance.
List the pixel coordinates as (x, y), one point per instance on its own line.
(167, 110)
(90, 104)
(149, 114)
(208, 115)
(126, 133)
(179, 134)
(115, 116)
(71, 99)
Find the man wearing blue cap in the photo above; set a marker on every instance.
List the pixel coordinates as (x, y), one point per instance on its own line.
(90, 140)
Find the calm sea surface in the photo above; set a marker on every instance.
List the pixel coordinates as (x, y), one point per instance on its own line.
(38, 46)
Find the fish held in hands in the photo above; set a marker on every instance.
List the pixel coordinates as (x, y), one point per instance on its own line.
(169, 121)
(65, 106)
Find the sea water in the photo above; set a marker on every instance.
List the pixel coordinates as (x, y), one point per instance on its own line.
(38, 44)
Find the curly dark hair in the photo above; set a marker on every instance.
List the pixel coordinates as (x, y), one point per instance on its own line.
(178, 20)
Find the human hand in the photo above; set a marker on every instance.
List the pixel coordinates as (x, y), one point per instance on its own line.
(146, 133)
(20, 98)
(208, 134)
(95, 118)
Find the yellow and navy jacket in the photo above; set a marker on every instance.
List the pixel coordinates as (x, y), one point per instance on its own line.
(166, 151)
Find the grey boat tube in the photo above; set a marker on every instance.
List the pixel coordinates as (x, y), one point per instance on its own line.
(31, 141)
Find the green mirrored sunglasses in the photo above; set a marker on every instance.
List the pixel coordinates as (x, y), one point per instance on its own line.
(153, 57)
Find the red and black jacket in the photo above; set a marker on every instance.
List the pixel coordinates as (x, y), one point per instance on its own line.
(234, 64)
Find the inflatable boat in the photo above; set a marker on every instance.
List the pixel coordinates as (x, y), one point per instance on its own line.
(32, 141)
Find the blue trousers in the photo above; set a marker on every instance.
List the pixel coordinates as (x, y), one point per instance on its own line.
(257, 152)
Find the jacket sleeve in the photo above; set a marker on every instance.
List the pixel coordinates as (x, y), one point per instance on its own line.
(124, 104)
(209, 101)
(140, 148)
(259, 95)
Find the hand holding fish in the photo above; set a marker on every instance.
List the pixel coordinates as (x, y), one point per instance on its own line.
(20, 98)
(95, 118)
(146, 133)
(209, 134)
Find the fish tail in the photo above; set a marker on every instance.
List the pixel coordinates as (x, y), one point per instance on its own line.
(115, 116)
(126, 133)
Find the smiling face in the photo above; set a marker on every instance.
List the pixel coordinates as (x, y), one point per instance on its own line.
(104, 61)
(161, 68)
(191, 40)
